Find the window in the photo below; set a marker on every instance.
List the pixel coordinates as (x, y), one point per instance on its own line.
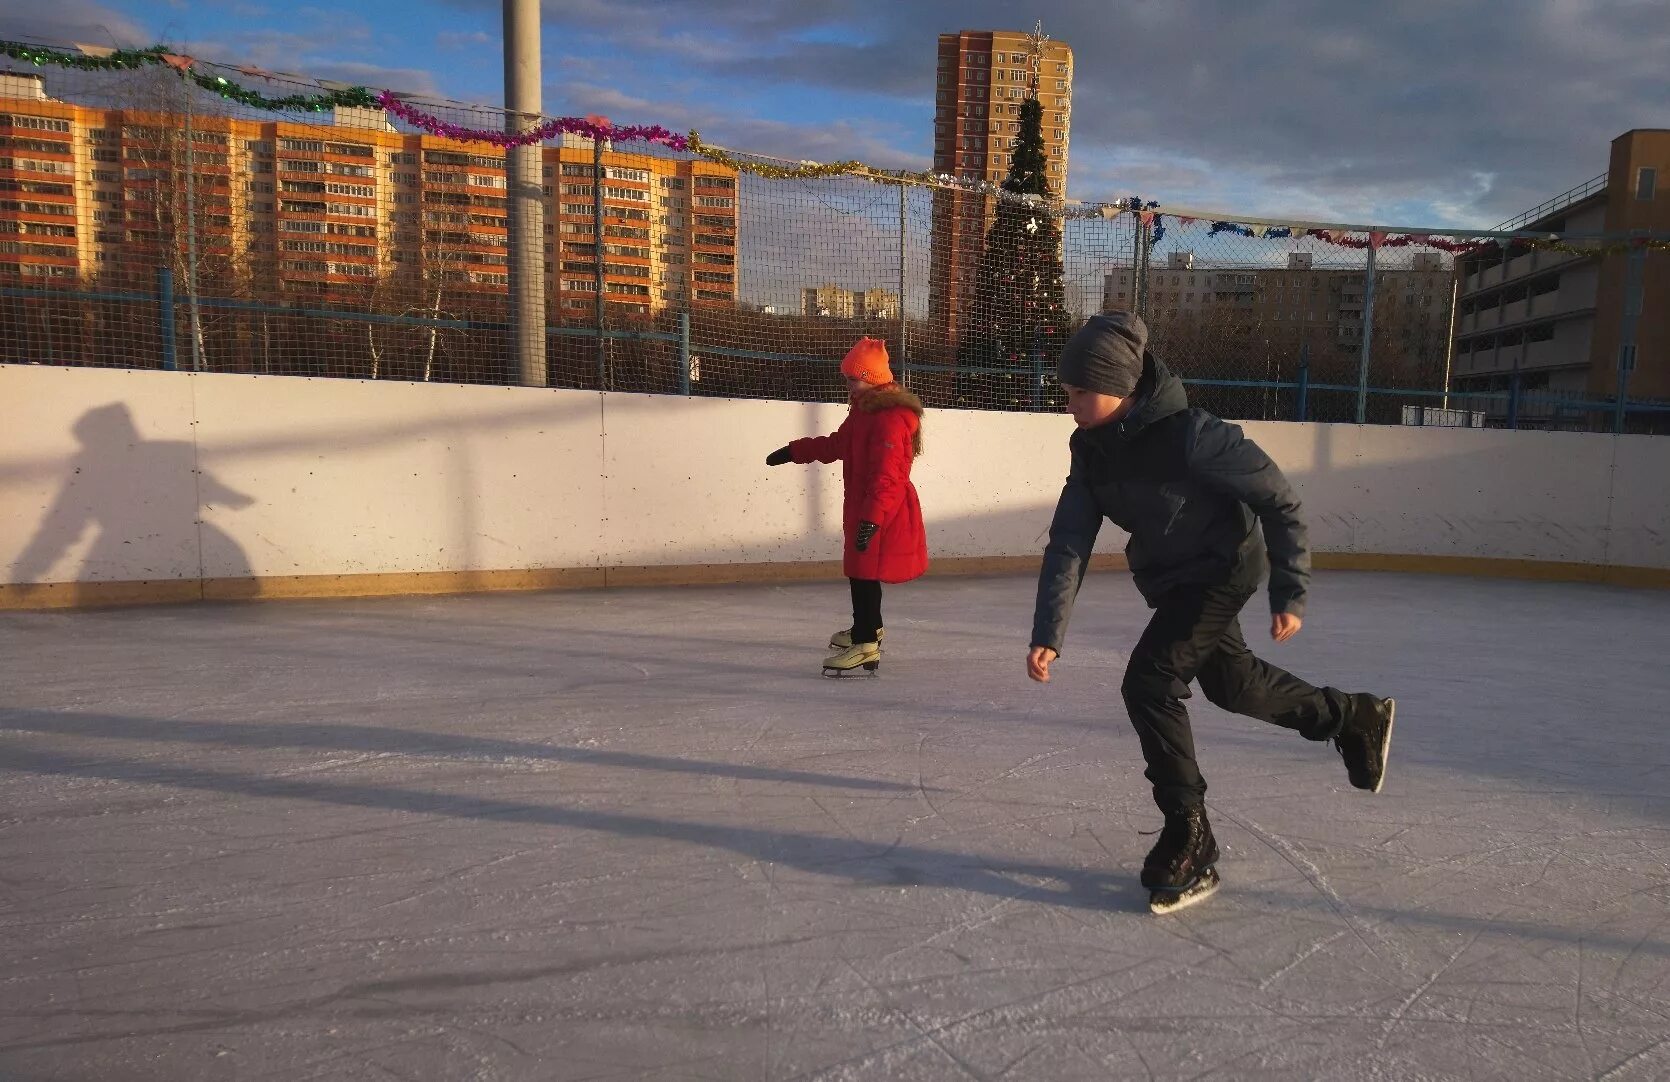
(35, 122)
(1646, 179)
(40, 146)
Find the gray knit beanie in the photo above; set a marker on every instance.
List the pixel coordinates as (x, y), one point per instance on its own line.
(1105, 355)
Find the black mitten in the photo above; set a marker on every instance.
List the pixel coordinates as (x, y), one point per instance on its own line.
(861, 541)
(779, 457)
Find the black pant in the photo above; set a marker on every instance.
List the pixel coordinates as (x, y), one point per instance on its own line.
(1195, 634)
(866, 609)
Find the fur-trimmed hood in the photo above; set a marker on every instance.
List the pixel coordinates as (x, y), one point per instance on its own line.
(892, 396)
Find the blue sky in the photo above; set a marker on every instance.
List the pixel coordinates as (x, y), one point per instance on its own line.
(1440, 112)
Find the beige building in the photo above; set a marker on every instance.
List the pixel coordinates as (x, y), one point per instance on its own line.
(1556, 318)
(1217, 317)
(982, 78)
(836, 301)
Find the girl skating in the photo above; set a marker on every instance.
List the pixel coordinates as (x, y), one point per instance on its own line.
(883, 539)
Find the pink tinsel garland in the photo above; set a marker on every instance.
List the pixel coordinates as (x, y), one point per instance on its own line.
(585, 126)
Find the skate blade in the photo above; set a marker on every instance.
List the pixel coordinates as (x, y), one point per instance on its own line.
(1170, 901)
(871, 668)
(1386, 744)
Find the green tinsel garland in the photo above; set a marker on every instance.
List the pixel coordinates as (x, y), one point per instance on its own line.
(128, 59)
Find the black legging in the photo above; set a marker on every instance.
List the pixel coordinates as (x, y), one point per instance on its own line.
(866, 609)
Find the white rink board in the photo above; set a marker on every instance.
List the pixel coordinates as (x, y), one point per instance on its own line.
(338, 477)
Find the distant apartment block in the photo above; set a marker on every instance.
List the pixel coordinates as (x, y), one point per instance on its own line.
(1299, 304)
(1557, 318)
(833, 300)
(92, 193)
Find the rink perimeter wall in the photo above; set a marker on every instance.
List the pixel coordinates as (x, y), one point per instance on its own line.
(121, 486)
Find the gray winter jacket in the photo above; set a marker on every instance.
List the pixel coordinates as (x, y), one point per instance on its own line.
(1191, 491)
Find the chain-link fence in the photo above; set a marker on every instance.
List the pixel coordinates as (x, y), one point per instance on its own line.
(153, 218)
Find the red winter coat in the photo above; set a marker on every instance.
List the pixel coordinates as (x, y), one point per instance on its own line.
(876, 445)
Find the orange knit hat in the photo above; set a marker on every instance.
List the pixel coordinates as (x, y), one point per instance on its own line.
(868, 361)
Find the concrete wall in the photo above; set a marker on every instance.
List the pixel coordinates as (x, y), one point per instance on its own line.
(150, 485)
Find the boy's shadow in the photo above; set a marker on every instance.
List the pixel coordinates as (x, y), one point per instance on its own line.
(143, 498)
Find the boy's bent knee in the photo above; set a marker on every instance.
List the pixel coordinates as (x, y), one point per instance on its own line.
(1148, 682)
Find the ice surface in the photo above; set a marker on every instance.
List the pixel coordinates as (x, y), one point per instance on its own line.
(635, 834)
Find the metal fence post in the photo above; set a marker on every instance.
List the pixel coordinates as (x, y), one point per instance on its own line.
(165, 317)
(1626, 331)
(904, 240)
(1513, 397)
(1037, 372)
(1304, 381)
(524, 198)
(684, 353)
(1140, 287)
(1368, 335)
(597, 254)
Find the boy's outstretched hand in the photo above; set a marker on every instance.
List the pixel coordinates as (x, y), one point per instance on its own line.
(1038, 663)
(1284, 625)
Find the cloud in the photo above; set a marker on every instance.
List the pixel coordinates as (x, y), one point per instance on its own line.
(456, 39)
(780, 139)
(315, 53)
(66, 21)
(1324, 107)
(1459, 111)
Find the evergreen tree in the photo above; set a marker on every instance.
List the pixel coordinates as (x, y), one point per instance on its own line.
(1019, 319)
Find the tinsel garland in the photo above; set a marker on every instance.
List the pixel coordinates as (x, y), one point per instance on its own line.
(597, 129)
(129, 59)
(354, 96)
(116, 60)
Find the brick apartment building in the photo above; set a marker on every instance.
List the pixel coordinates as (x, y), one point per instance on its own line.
(982, 77)
(284, 207)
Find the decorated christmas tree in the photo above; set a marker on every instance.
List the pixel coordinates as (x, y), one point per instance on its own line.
(1009, 344)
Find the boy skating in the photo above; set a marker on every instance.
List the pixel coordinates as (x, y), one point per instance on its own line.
(884, 539)
(1201, 503)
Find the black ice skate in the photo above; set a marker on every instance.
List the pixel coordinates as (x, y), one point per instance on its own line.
(1181, 869)
(865, 655)
(1366, 740)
